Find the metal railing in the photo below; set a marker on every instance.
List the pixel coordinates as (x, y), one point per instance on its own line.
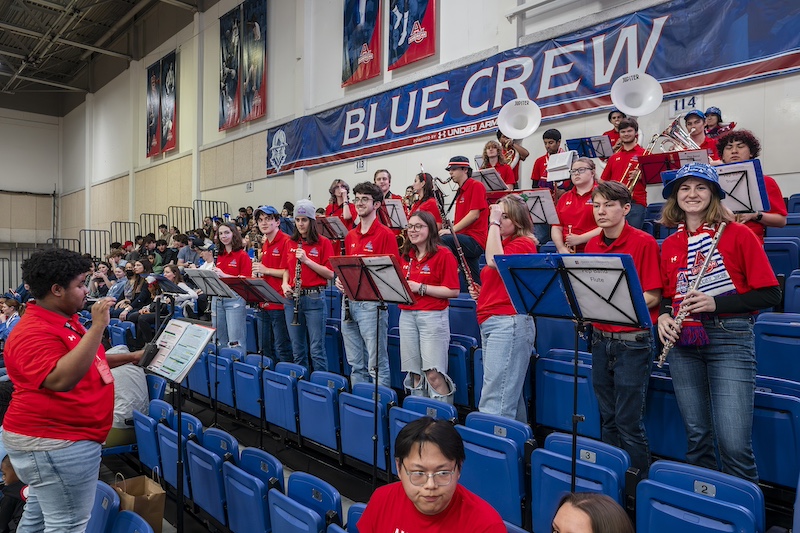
(96, 242)
(208, 208)
(181, 217)
(123, 231)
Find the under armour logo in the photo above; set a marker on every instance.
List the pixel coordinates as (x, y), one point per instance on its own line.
(71, 338)
(673, 259)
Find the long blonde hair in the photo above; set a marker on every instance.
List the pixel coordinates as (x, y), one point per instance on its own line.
(517, 212)
(500, 159)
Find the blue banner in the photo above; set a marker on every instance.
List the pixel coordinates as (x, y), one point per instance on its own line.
(688, 45)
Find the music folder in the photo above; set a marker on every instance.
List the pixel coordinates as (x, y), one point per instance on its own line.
(331, 228)
(591, 147)
(540, 206)
(179, 346)
(653, 165)
(396, 212)
(559, 165)
(490, 179)
(743, 183)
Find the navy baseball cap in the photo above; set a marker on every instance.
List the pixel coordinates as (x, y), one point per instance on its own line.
(714, 111)
(458, 161)
(696, 112)
(692, 170)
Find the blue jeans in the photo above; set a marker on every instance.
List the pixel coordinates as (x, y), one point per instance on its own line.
(507, 346)
(273, 337)
(715, 389)
(621, 374)
(472, 253)
(310, 334)
(542, 233)
(62, 485)
(635, 216)
(361, 335)
(229, 316)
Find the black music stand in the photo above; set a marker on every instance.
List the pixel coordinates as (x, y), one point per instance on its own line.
(373, 278)
(170, 290)
(743, 183)
(332, 229)
(211, 284)
(581, 287)
(540, 206)
(179, 347)
(591, 147)
(396, 214)
(653, 165)
(490, 179)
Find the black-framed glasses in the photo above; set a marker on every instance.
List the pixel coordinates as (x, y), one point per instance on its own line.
(440, 479)
(577, 171)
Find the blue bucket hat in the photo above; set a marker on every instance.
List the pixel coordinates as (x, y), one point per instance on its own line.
(692, 170)
(696, 112)
(714, 111)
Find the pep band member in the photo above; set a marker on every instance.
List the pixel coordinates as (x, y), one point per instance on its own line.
(575, 210)
(493, 158)
(432, 274)
(314, 256)
(229, 315)
(507, 337)
(713, 363)
(742, 145)
(426, 197)
(339, 205)
(625, 159)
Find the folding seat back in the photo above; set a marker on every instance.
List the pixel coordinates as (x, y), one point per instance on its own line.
(318, 407)
(415, 407)
(395, 374)
(778, 386)
(257, 360)
(290, 516)
(191, 427)
(460, 371)
(220, 375)
(252, 333)
(784, 252)
(356, 411)
(394, 315)
(262, 465)
(777, 346)
(221, 443)
(591, 451)
(551, 475)
(776, 438)
(159, 410)
(197, 379)
(661, 508)
(156, 387)
(494, 470)
(665, 430)
(247, 386)
(147, 441)
(555, 384)
(464, 318)
(518, 432)
(205, 474)
(557, 333)
(104, 510)
(246, 496)
(791, 293)
(168, 450)
(280, 395)
(117, 335)
(333, 297)
(333, 528)
(317, 495)
(354, 515)
(130, 522)
(722, 487)
(334, 348)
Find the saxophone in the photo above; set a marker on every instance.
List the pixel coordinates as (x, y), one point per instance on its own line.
(682, 313)
(298, 287)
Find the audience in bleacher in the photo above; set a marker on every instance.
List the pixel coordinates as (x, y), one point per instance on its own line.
(137, 294)
(12, 310)
(589, 512)
(100, 283)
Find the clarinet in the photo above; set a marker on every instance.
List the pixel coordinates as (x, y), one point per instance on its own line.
(462, 260)
(682, 313)
(298, 287)
(347, 316)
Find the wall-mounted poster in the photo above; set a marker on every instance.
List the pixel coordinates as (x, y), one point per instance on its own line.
(362, 41)
(153, 140)
(169, 102)
(412, 31)
(229, 55)
(254, 57)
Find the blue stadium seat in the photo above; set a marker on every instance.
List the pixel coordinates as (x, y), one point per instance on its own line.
(511, 528)
(145, 429)
(280, 395)
(555, 333)
(318, 407)
(104, 510)
(713, 484)
(591, 451)
(220, 373)
(289, 516)
(777, 348)
(247, 383)
(317, 495)
(333, 528)
(665, 431)
(356, 411)
(354, 515)
(776, 437)
(191, 429)
(791, 229)
(791, 293)
(793, 204)
(246, 495)
(252, 332)
(551, 477)
(130, 522)
(460, 371)
(554, 395)
(198, 376)
(333, 297)
(156, 387)
(116, 334)
(464, 317)
(783, 253)
(334, 349)
(415, 407)
(548, 248)
(396, 375)
(205, 470)
(262, 465)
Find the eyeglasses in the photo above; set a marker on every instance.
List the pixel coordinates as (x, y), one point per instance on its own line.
(362, 199)
(440, 479)
(415, 227)
(578, 171)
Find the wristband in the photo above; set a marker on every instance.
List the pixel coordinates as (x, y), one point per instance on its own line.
(495, 223)
(759, 216)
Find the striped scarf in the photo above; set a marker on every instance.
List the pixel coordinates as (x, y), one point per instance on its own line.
(715, 282)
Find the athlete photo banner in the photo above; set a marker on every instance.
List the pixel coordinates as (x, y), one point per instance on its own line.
(361, 59)
(689, 46)
(229, 69)
(412, 31)
(169, 102)
(153, 136)
(254, 57)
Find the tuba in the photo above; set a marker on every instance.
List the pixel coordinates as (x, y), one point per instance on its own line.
(519, 118)
(636, 93)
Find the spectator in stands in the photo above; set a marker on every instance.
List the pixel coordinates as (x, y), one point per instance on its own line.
(575, 210)
(229, 315)
(12, 310)
(140, 295)
(163, 232)
(100, 282)
(115, 257)
(20, 294)
(117, 290)
(187, 252)
(507, 337)
(13, 503)
(590, 512)
(713, 362)
(131, 253)
(428, 454)
(145, 318)
(432, 273)
(61, 407)
(742, 145)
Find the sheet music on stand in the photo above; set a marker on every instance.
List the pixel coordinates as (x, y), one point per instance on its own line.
(397, 214)
(540, 206)
(592, 147)
(210, 283)
(743, 183)
(255, 290)
(653, 165)
(331, 228)
(491, 180)
(559, 165)
(372, 278)
(179, 346)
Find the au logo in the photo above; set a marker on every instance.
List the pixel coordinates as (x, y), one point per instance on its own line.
(418, 34)
(366, 55)
(277, 152)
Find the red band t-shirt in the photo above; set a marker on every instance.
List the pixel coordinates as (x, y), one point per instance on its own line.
(439, 269)
(493, 299)
(272, 257)
(319, 253)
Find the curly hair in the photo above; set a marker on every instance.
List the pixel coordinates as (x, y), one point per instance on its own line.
(59, 267)
(745, 136)
(500, 159)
